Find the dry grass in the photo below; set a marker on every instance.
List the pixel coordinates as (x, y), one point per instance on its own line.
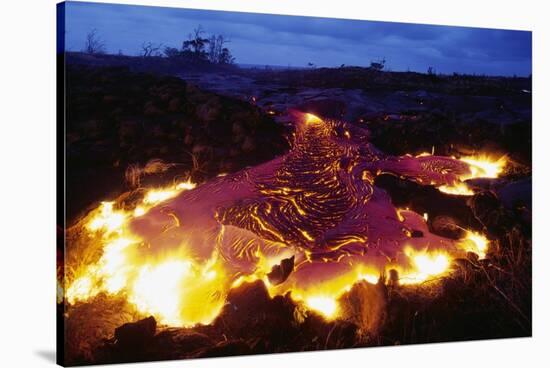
(482, 299)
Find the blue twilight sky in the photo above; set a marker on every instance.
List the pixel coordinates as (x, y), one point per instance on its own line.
(290, 40)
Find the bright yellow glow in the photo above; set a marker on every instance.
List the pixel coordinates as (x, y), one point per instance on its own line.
(311, 119)
(113, 264)
(325, 305)
(80, 289)
(110, 274)
(429, 266)
(458, 188)
(370, 278)
(306, 235)
(484, 166)
(476, 243)
(157, 290)
(106, 219)
(399, 215)
(155, 196)
(179, 291)
(139, 211)
(174, 289)
(425, 266)
(323, 297)
(188, 185)
(481, 166)
(244, 279)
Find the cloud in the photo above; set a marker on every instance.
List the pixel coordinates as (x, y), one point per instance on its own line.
(296, 40)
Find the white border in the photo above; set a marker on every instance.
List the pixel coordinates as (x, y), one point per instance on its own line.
(27, 204)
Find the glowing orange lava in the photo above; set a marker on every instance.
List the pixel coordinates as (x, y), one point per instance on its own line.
(481, 166)
(173, 288)
(178, 251)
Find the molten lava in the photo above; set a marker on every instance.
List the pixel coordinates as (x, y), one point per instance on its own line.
(480, 167)
(178, 251)
(484, 166)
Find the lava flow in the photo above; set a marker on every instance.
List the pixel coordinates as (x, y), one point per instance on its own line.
(310, 222)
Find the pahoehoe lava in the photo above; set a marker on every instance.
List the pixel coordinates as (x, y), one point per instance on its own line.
(317, 203)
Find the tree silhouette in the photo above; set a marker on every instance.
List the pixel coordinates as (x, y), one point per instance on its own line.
(196, 43)
(94, 44)
(217, 53)
(226, 57)
(149, 49)
(378, 65)
(199, 48)
(171, 52)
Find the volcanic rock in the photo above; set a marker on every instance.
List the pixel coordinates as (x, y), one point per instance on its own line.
(279, 273)
(150, 109)
(91, 128)
(517, 193)
(329, 108)
(393, 277)
(488, 209)
(175, 105)
(136, 334)
(251, 313)
(189, 341)
(188, 140)
(237, 128)
(446, 226)
(249, 144)
(128, 131)
(209, 111)
(447, 214)
(225, 348)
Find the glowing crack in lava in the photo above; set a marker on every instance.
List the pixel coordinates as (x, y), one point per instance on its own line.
(480, 167)
(310, 222)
